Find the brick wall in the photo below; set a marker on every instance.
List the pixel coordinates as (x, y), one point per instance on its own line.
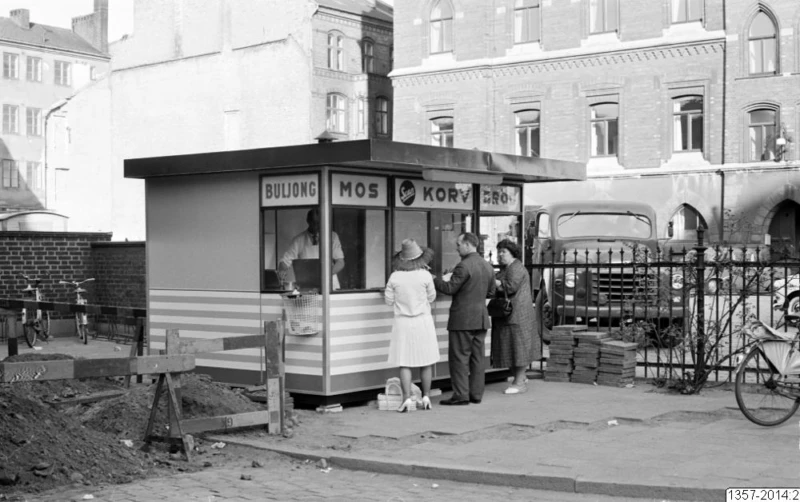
(119, 270)
(49, 256)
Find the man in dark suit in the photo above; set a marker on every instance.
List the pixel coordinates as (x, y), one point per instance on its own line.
(471, 283)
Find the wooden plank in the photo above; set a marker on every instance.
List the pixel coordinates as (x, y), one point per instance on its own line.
(223, 422)
(220, 344)
(36, 370)
(176, 410)
(148, 433)
(172, 342)
(138, 337)
(93, 368)
(88, 368)
(243, 342)
(274, 350)
(148, 365)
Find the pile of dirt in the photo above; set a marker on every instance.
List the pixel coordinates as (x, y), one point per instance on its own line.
(52, 434)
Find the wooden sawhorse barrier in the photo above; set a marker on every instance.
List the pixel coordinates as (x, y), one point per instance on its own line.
(273, 417)
(165, 366)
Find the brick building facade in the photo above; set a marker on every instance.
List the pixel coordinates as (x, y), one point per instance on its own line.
(690, 105)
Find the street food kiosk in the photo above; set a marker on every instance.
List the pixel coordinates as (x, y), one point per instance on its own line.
(223, 231)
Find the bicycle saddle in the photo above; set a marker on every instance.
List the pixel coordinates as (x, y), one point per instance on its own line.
(768, 332)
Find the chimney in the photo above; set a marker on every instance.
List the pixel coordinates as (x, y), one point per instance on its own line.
(22, 17)
(94, 27)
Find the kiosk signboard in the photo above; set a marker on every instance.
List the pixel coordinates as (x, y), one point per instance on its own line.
(432, 194)
(503, 199)
(292, 190)
(354, 190)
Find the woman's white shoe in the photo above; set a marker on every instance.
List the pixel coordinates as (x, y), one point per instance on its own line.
(426, 403)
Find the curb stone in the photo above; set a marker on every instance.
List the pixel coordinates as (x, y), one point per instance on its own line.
(490, 477)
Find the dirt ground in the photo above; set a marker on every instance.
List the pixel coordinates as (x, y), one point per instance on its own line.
(48, 441)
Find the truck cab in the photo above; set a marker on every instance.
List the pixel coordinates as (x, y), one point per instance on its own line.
(592, 263)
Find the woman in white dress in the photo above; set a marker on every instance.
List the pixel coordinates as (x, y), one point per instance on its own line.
(413, 345)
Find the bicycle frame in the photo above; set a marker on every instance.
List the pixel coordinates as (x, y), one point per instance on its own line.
(779, 348)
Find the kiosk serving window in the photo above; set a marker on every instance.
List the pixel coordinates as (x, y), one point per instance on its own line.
(434, 214)
(496, 226)
(291, 233)
(360, 216)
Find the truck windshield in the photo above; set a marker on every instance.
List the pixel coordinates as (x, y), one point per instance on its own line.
(612, 225)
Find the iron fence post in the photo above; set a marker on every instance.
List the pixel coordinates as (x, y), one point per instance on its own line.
(700, 267)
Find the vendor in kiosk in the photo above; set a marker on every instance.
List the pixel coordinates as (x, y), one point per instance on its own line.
(305, 245)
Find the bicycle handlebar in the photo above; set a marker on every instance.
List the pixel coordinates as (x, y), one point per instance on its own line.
(76, 283)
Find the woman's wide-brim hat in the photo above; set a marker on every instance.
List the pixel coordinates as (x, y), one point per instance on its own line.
(412, 256)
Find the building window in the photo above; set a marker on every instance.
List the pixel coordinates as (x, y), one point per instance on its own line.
(34, 176)
(336, 113)
(10, 66)
(762, 128)
(684, 11)
(10, 174)
(763, 45)
(335, 51)
(441, 27)
(687, 124)
(382, 116)
(63, 73)
(603, 16)
(684, 224)
(526, 21)
(527, 129)
(10, 119)
(33, 121)
(362, 115)
(605, 129)
(34, 69)
(442, 131)
(367, 56)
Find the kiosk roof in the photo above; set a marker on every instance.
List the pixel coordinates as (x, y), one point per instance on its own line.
(366, 154)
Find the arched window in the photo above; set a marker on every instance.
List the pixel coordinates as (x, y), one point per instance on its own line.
(687, 124)
(335, 51)
(336, 113)
(442, 131)
(763, 46)
(605, 129)
(526, 21)
(761, 135)
(441, 27)
(367, 56)
(685, 222)
(382, 116)
(527, 131)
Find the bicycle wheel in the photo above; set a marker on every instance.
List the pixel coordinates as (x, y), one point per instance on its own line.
(763, 394)
(31, 334)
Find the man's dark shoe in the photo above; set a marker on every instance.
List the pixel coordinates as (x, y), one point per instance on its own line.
(475, 401)
(453, 401)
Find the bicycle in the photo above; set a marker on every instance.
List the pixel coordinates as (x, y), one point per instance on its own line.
(81, 319)
(767, 384)
(40, 324)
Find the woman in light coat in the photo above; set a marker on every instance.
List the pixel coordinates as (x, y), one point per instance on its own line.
(413, 344)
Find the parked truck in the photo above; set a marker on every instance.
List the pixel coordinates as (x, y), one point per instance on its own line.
(594, 263)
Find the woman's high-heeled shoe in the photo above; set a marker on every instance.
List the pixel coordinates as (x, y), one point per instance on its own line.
(426, 403)
(405, 407)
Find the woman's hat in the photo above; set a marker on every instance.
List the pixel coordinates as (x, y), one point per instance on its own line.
(412, 256)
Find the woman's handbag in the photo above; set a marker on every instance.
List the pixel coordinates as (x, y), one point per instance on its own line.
(500, 307)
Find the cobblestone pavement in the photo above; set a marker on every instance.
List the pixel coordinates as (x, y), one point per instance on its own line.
(284, 479)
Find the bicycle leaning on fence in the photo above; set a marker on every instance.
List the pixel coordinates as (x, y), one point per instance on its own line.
(38, 325)
(81, 319)
(768, 377)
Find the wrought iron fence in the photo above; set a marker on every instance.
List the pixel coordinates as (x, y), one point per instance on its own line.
(685, 310)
